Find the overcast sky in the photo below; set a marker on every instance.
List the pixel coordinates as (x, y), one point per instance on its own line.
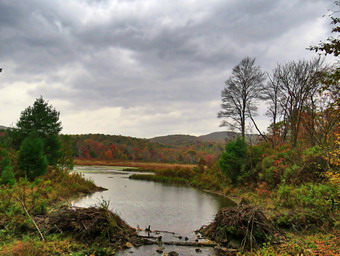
(144, 68)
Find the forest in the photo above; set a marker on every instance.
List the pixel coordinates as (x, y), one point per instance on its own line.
(122, 148)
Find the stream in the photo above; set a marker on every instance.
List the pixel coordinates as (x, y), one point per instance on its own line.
(175, 208)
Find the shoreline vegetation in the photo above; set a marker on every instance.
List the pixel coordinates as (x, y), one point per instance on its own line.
(57, 186)
(305, 227)
(24, 205)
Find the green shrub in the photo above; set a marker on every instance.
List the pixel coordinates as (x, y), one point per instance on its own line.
(292, 175)
(207, 180)
(310, 204)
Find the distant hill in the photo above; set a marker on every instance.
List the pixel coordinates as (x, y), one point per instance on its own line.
(177, 139)
(214, 137)
(218, 137)
(3, 127)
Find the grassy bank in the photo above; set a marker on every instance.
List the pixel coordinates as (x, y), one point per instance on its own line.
(22, 205)
(206, 179)
(157, 178)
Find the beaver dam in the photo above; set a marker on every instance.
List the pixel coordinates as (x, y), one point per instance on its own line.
(234, 229)
(243, 227)
(89, 225)
(178, 209)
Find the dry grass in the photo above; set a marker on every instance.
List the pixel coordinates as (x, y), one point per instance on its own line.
(142, 165)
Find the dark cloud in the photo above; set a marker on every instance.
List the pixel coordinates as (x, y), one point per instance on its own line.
(96, 54)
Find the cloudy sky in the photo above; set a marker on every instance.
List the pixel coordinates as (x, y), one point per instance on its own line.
(144, 68)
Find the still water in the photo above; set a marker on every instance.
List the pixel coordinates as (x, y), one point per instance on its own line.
(178, 209)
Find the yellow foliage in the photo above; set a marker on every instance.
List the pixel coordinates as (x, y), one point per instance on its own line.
(333, 177)
(334, 155)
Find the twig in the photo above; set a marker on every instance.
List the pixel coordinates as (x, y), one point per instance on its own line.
(30, 217)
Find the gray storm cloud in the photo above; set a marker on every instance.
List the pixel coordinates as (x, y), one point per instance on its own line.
(157, 55)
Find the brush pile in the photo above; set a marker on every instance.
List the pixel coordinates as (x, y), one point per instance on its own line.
(89, 225)
(245, 225)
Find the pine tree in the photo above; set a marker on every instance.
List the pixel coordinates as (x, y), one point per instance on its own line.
(42, 121)
(32, 161)
(233, 160)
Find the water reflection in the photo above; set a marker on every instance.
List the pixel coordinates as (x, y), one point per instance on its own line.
(179, 209)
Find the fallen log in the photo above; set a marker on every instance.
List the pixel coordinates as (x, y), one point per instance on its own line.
(198, 244)
(179, 243)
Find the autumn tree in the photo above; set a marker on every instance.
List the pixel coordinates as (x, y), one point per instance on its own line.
(242, 89)
(270, 93)
(332, 44)
(298, 83)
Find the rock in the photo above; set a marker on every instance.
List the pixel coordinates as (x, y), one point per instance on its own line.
(173, 253)
(160, 249)
(186, 239)
(198, 250)
(180, 237)
(128, 245)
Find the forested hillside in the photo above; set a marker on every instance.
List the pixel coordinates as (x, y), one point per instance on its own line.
(173, 149)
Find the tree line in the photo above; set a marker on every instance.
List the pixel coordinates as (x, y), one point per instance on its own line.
(297, 99)
(303, 99)
(302, 96)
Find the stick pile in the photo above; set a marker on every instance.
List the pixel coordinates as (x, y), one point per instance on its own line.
(244, 223)
(89, 225)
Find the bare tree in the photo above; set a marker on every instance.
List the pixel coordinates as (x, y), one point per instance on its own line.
(271, 93)
(298, 82)
(240, 94)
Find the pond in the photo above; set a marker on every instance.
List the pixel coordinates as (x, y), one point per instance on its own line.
(173, 208)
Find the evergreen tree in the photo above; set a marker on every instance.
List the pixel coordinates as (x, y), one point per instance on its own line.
(42, 121)
(7, 176)
(32, 161)
(233, 160)
(66, 154)
(4, 159)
